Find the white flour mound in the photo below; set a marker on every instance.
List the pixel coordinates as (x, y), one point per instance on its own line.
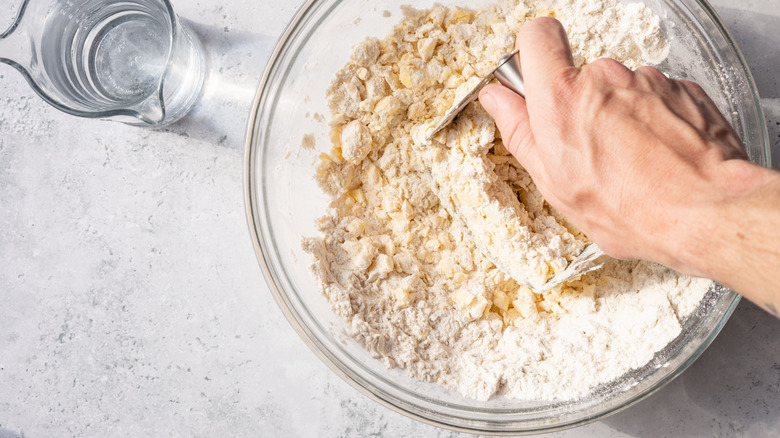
(411, 284)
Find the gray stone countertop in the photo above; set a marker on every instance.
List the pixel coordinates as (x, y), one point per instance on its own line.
(131, 302)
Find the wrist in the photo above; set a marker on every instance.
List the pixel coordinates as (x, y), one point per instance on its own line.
(720, 222)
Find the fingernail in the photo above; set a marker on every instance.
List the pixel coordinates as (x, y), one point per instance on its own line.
(488, 101)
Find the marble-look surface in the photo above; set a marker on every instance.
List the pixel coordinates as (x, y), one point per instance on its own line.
(131, 303)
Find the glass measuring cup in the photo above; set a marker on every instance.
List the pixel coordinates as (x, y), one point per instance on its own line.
(126, 60)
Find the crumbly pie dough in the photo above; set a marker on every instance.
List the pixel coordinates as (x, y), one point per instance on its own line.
(405, 273)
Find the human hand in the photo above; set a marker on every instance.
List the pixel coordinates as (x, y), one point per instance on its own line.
(636, 160)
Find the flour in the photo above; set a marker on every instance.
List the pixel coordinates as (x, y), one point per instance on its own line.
(477, 181)
(403, 272)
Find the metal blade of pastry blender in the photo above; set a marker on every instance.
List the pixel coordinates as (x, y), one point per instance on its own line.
(508, 74)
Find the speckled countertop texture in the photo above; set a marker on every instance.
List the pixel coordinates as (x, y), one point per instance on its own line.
(131, 302)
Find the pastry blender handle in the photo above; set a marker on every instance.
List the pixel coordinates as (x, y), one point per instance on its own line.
(508, 72)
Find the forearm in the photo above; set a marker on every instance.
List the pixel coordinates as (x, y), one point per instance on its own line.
(738, 243)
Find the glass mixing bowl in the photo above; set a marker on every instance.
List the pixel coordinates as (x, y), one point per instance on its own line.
(283, 202)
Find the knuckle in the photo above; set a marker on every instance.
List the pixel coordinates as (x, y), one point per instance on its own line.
(563, 81)
(692, 87)
(611, 70)
(609, 65)
(606, 63)
(652, 74)
(519, 141)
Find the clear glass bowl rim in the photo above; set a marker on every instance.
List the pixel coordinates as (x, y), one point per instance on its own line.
(351, 377)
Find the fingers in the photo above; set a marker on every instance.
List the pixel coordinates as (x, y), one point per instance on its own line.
(545, 56)
(511, 116)
(544, 52)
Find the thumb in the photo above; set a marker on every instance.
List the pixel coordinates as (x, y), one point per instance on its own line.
(511, 116)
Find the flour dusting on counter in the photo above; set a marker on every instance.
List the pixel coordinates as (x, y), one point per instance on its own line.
(404, 273)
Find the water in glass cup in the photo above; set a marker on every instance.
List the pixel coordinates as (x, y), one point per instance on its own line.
(127, 59)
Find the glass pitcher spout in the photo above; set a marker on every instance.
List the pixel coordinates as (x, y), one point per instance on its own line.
(126, 60)
(17, 47)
